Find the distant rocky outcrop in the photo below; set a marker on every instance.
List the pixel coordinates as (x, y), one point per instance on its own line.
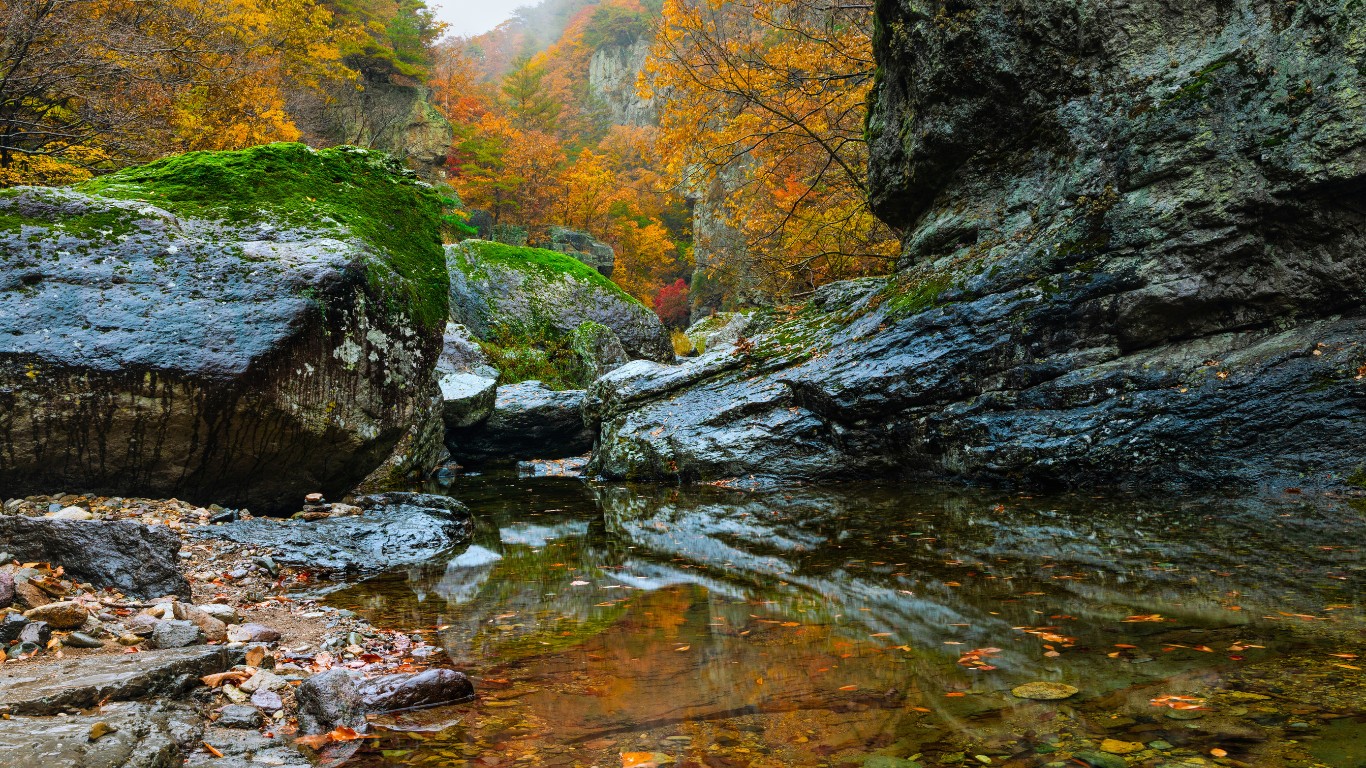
(1134, 255)
(231, 327)
(613, 75)
(584, 247)
(501, 291)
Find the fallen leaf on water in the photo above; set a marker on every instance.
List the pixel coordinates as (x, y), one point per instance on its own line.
(637, 759)
(99, 729)
(848, 687)
(1146, 617)
(1348, 666)
(340, 733)
(683, 647)
(1173, 701)
(1217, 752)
(955, 694)
(921, 709)
(1343, 655)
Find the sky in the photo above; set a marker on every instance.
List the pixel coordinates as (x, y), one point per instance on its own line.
(471, 17)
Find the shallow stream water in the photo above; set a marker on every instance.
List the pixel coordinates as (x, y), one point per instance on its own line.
(884, 625)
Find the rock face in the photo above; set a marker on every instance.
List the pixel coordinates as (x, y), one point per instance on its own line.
(83, 683)
(612, 75)
(584, 247)
(467, 378)
(502, 292)
(338, 698)
(395, 529)
(254, 334)
(1135, 253)
(138, 560)
(136, 735)
(529, 421)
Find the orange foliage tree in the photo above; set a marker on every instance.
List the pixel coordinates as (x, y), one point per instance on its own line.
(768, 96)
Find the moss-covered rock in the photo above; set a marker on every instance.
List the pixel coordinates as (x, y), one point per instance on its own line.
(234, 327)
(524, 297)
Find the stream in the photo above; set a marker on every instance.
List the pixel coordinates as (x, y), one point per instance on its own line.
(883, 625)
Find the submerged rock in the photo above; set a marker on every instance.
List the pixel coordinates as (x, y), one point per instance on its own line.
(1131, 258)
(138, 560)
(504, 294)
(217, 326)
(529, 421)
(394, 529)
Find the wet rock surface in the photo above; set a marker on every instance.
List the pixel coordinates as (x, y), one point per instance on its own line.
(529, 421)
(338, 698)
(169, 355)
(1150, 273)
(136, 559)
(131, 735)
(393, 529)
(85, 682)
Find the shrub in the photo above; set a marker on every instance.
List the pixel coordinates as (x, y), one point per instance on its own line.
(671, 304)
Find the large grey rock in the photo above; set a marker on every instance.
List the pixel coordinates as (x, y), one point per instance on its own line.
(176, 633)
(136, 735)
(145, 352)
(502, 292)
(340, 698)
(1135, 254)
(467, 379)
(84, 682)
(584, 247)
(529, 421)
(246, 749)
(394, 529)
(138, 560)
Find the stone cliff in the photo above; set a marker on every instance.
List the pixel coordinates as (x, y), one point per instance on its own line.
(1135, 253)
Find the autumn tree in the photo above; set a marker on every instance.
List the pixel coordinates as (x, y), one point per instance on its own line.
(529, 104)
(763, 101)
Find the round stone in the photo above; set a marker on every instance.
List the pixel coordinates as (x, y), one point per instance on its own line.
(1044, 691)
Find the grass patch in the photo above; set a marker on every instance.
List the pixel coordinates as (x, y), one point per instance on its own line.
(364, 193)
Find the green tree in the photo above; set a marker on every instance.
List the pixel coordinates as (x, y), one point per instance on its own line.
(529, 102)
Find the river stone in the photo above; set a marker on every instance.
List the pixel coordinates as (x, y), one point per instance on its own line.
(395, 529)
(10, 627)
(71, 513)
(134, 735)
(328, 700)
(1100, 760)
(338, 697)
(1117, 747)
(84, 682)
(81, 640)
(529, 421)
(1044, 691)
(6, 589)
(252, 632)
(139, 560)
(498, 289)
(59, 615)
(238, 716)
(176, 633)
(1131, 257)
(268, 700)
(239, 358)
(224, 613)
(36, 633)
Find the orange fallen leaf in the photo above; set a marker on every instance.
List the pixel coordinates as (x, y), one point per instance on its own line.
(340, 733)
(921, 709)
(848, 687)
(955, 694)
(1217, 752)
(683, 647)
(634, 759)
(212, 749)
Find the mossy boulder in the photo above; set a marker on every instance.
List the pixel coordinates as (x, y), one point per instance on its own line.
(232, 327)
(513, 295)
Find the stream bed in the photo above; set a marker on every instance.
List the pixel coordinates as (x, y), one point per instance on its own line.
(883, 626)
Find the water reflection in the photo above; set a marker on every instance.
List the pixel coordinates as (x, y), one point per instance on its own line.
(824, 626)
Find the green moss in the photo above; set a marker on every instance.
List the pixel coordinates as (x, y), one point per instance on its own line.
(547, 264)
(1358, 477)
(915, 293)
(346, 189)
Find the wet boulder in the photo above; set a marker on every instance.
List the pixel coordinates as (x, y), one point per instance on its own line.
(338, 697)
(393, 529)
(230, 327)
(513, 295)
(529, 421)
(467, 378)
(125, 735)
(138, 560)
